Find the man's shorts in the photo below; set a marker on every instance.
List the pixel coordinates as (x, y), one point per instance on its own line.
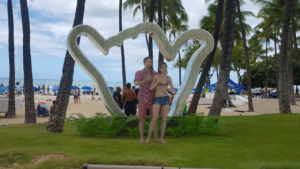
(130, 108)
(143, 110)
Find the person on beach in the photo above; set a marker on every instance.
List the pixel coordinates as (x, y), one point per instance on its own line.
(162, 101)
(76, 96)
(48, 88)
(117, 97)
(129, 96)
(143, 79)
(136, 102)
(111, 91)
(43, 88)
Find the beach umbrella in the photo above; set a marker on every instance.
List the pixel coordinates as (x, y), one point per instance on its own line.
(110, 87)
(55, 88)
(86, 88)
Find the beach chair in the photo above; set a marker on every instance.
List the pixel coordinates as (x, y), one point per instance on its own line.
(42, 111)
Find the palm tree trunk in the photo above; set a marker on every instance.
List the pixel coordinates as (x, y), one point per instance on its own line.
(230, 104)
(284, 104)
(151, 20)
(11, 103)
(30, 116)
(294, 32)
(122, 47)
(250, 103)
(267, 71)
(209, 60)
(292, 95)
(230, 11)
(276, 64)
(165, 28)
(160, 56)
(143, 11)
(59, 109)
(179, 62)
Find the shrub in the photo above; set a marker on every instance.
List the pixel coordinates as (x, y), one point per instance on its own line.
(195, 124)
(97, 124)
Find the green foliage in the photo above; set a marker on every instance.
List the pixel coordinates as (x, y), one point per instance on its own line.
(210, 126)
(176, 131)
(112, 128)
(84, 126)
(195, 124)
(135, 132)
(97, 124)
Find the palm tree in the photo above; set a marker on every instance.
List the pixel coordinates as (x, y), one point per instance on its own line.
(177, 25)
(250, 103)
(160, 56)
(122, 47)
(295, 4)
(150, 45)
(284, 104)
(59, 109)
(11, 103)
(221, 90)
(208, 23)
(140, 4)
(30, 116)
(256, 50)
(290, 74)
(264, 36)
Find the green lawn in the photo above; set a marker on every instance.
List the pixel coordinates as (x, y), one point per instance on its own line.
(265, 141)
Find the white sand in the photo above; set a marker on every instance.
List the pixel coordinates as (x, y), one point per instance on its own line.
(89, 108)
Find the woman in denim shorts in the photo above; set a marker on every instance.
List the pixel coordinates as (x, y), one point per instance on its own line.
(162, 101)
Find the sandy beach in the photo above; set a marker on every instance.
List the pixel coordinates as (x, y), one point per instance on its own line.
(88, 108)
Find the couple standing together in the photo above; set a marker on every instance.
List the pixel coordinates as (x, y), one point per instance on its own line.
(153, 95)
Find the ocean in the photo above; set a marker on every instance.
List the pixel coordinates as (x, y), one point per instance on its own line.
(51, 83)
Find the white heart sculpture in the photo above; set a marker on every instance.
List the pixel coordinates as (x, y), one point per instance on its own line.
(168, 50)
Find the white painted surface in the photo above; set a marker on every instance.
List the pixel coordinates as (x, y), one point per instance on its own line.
(4, 104)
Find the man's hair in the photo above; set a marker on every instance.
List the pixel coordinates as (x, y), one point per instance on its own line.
(118, 89)
(133, 87)
(146, 58)
(128, 85)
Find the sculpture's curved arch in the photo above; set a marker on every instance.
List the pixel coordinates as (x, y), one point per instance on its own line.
(168, 50)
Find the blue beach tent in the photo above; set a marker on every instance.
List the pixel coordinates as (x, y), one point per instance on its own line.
(86, 88)
(230, 85)
(8, 86)
(57, 88)
(110, 87)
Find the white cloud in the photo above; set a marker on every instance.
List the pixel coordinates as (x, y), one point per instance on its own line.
(51, 21)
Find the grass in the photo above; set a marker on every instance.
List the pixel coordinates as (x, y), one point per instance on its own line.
(254, 142)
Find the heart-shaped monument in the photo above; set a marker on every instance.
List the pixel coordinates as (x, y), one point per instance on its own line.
(167, 49)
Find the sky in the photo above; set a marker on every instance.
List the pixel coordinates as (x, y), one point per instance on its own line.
(51, 21)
